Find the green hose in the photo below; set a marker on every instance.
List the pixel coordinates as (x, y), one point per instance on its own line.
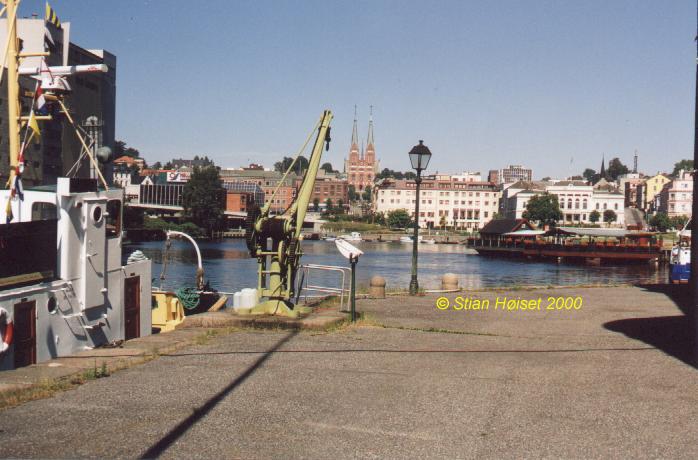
(189, 297)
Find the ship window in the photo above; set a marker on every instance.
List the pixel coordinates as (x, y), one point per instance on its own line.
(43, 211)
(113, 218)
(51, 304)
(97, 214)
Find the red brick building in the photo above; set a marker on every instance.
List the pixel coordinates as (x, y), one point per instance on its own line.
(238, 201)
(330, 186)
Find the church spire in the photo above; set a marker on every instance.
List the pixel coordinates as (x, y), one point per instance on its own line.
(370, 128)
(602, 173)
(354, 133)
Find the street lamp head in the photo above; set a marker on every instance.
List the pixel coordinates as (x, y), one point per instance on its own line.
(420, 156)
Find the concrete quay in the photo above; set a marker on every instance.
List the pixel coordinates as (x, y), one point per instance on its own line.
(611, 379)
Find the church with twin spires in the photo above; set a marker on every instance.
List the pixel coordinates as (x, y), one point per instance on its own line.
(361, 167)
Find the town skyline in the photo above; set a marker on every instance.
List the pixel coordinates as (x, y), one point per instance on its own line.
(549, 83)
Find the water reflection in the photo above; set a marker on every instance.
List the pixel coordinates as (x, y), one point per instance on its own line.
(229, 268)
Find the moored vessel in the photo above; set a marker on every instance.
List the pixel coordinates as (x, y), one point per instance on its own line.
(62, 286)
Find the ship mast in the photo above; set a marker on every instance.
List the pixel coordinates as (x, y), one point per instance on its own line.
(12, 61)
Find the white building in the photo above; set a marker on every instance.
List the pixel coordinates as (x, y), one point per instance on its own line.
(577, 200)
(467, 176)
(443, 203)
(515, 197)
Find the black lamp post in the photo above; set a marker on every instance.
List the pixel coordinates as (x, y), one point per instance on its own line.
(419, 157)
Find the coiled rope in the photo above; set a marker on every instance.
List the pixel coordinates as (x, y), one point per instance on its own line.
(189, 297)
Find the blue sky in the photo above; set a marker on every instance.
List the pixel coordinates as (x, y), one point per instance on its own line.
(549, 84)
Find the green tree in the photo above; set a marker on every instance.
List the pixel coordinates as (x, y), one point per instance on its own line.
(399, 218)
(543, 208)
(594, 216)
(203, 198)
(616, 169)
(300, 166)
(340, 205)
(351, 192)
(589, 175)
(157, 165)
(121, 149)
(678, 222)
(609, 216)
(366, 196)
(686, 165)
(328, 205)
(442, 222)
(316, 204)
(660, 222)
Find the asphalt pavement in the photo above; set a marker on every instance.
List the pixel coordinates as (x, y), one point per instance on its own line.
(610, 379)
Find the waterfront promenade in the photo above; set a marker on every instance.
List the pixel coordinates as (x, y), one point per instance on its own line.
(607, 380)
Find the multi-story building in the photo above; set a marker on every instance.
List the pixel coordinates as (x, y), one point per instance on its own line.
(443, 203)
(91, 103)
(676, 197)
(330, 186)
(628, 184)
(515, 197)
(493, 176)
(577, 200)
(515, 173)
(254, 191)
(238, 201)
(279, 195)
(649, 189)
(361, 168)
(467, 176)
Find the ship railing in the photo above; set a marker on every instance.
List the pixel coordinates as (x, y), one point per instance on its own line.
(309, 290)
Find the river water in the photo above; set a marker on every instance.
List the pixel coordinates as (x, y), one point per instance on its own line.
(229, 268)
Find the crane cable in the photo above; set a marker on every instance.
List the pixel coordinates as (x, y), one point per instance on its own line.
(293, 163)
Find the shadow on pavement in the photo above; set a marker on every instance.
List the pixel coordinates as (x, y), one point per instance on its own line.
(678, 293)
(175, 433)
(670, 334)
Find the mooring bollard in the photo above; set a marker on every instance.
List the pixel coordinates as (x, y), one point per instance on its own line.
(376, 288)
(449, 282)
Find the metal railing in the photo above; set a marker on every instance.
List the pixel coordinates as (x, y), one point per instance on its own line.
(306, 285)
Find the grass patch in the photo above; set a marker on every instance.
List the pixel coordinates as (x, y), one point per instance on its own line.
(96, 372)
(206, 337)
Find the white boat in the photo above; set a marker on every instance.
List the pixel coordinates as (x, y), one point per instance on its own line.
(420, 239)
(353, 236)
(680, 257)
(62, 286)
